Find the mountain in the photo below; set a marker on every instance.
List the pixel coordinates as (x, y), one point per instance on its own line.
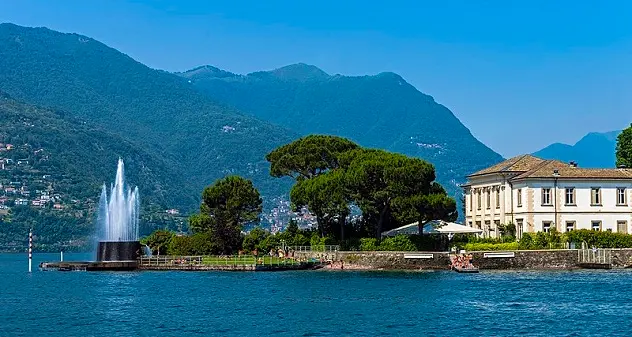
(381, 111)
(595, 150)
(156, 111)
(57, 164)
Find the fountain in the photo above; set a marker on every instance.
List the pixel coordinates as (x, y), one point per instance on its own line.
(118, 221)
(117, 230)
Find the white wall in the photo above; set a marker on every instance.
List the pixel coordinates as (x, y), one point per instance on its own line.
(533, 212)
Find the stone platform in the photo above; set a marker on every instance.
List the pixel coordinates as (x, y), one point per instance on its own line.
(90, 266)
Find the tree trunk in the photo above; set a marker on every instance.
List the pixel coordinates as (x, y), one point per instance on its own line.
(380, 222)
(319, 222)
(343, 221)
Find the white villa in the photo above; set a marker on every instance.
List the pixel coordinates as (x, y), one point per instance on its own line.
(537, 195)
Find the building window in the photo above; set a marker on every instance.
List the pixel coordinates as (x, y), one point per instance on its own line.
(498, 198)
(489, 198)
(622, 227)
(570, 226)
(470, 224)
(546, 226)
(471, 201)
(570, 196)
(519, 228)
(621, 199)
(596, 225)
(478, 225)
(519, 197)
(478, 200)
(546, 196)
(595, 196)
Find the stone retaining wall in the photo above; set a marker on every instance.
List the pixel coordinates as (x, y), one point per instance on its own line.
(523, 259)
(529, 259)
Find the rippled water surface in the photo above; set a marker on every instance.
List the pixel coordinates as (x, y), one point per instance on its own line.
(311, 303)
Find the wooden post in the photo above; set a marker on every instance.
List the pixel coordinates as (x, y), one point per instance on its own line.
(30, 250)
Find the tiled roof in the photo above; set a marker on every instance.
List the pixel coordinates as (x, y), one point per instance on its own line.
(516, 164)
(546, 170)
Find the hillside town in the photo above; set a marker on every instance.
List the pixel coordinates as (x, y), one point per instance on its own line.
(25, 181)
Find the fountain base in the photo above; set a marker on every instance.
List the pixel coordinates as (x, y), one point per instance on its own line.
(118, 251)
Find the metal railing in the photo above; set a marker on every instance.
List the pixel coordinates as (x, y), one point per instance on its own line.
(214, 260)
(596, 256)
(317, 248)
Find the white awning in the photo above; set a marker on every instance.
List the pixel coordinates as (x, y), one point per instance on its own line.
(434, 227)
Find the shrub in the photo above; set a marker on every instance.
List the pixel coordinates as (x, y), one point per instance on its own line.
(196, 244)
(527, 241)
(492, 246)
(600, 239)
(158, 241)
(368, 244)
(401, 243)
(254, 238)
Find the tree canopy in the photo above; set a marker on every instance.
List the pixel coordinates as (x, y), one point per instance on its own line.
(308, 157)
(624, 148)
(227, 206)
(389, 188)
(378, 181)
(326, 197)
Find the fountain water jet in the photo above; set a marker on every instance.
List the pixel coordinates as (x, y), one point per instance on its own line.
(118, 221)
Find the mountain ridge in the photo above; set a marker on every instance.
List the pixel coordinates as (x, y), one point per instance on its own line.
(381, 111)
(594, 150)
(155, 109)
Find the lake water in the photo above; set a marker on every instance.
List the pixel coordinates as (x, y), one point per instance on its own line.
(310, 303)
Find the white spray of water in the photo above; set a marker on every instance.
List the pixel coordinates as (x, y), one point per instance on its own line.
(118, 216)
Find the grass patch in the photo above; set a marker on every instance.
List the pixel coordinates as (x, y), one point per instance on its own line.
(246, 260)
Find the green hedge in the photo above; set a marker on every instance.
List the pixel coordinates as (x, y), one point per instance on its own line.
(492, 246)
(368, 244)
(600, 239)
(399, 243)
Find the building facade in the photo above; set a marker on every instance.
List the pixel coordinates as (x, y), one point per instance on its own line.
(539, 195)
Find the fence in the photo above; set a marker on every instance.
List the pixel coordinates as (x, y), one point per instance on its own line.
(317, 248)
(211, 260)
(594, 256)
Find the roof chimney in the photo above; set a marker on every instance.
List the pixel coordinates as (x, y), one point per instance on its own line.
(573, 163)
(556, 173)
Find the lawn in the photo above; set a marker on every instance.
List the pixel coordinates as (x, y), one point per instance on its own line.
(246, 260)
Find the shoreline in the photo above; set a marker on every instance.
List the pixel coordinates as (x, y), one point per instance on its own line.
(558, 259)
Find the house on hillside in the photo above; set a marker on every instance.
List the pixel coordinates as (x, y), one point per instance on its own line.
(539, 195)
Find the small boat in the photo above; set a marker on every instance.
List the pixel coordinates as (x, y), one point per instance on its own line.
(466, 270)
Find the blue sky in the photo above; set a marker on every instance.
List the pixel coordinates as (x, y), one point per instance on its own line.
(519, 74)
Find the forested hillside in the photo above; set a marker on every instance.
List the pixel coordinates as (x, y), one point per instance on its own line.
(52, 167)
(157, 111)
(381, 111)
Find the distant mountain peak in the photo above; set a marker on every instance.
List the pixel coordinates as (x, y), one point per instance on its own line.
(300, 72)
(594, 150)
(206, 71)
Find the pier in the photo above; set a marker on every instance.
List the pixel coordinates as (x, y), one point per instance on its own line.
(191, 263)
(230, 263)
(594, 259)
(89, 266)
